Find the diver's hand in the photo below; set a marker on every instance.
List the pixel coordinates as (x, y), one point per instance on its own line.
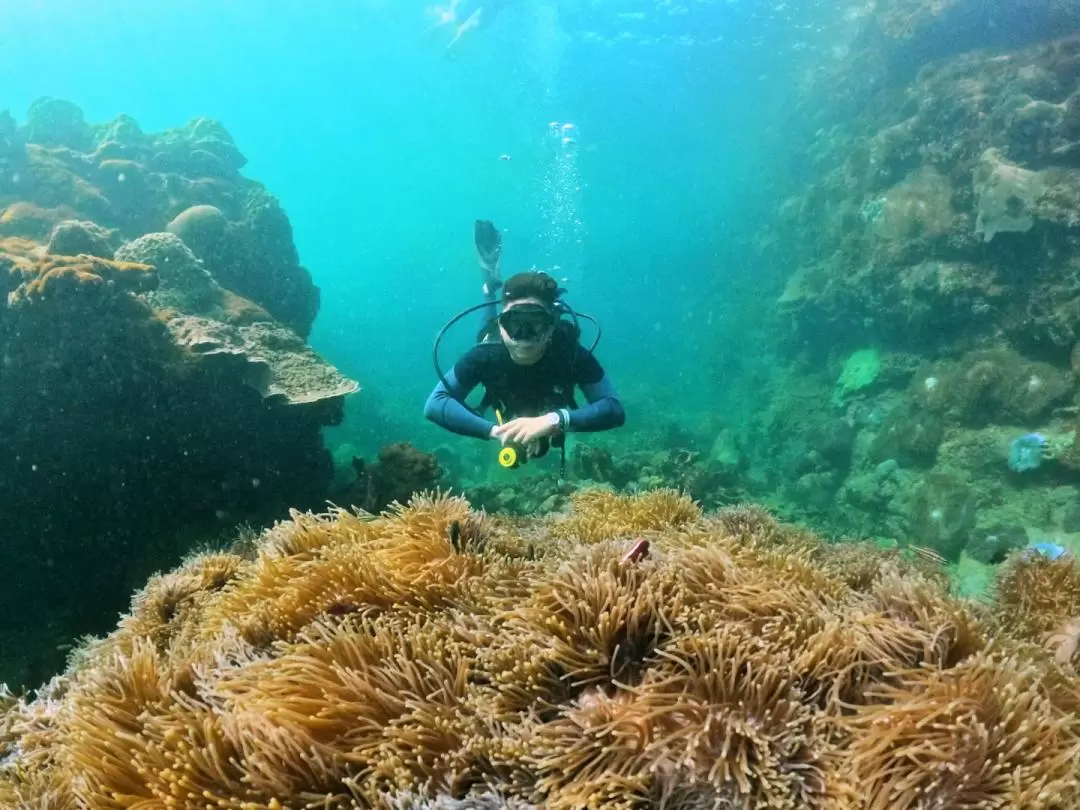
(525, 429)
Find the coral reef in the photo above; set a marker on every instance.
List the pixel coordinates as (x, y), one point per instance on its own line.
(150, 399)
(639, 462)
(925, 267)
(433, 657)
(270, 358)
(400, 471)
(59, 167)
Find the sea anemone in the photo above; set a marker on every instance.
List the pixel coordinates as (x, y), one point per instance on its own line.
(1035, 594)
(985, 734)
(394, 661)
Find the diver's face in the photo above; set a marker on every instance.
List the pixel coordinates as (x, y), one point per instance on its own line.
(526, 326)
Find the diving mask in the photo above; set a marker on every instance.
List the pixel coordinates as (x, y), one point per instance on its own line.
(527, 322)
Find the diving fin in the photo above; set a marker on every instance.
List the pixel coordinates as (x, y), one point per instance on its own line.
(488, 243)
(472, 22)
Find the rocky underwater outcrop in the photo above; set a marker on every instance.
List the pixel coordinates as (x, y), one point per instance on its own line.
(634, 652)
(155, 383)
(925, 336)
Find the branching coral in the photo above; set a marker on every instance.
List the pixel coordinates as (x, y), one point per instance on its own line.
(411, 660)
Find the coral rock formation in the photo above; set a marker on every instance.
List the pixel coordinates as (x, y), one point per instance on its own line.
(400, 471)
(148, 397)
(60, 167)
(936, 228)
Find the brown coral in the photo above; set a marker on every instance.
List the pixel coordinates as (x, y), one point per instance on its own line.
(50, 276)
(902, 19)
(123, 444)
(991, 384)
(401, 470)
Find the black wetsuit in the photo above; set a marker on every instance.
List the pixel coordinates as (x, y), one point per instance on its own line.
(517, 390)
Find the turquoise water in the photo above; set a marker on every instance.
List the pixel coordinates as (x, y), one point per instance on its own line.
(834, 250)
(383, 148)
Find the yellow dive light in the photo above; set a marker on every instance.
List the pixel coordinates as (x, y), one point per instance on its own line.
(508, 456)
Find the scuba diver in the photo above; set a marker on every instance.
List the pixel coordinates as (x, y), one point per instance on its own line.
(529, 361)
(480, 12)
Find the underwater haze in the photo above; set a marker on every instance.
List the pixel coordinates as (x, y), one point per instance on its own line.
(831, 249)
(633, 150)
(384, 148)
(806, 538)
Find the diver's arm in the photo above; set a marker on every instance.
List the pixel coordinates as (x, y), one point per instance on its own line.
(603, 412)
(444, 408)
